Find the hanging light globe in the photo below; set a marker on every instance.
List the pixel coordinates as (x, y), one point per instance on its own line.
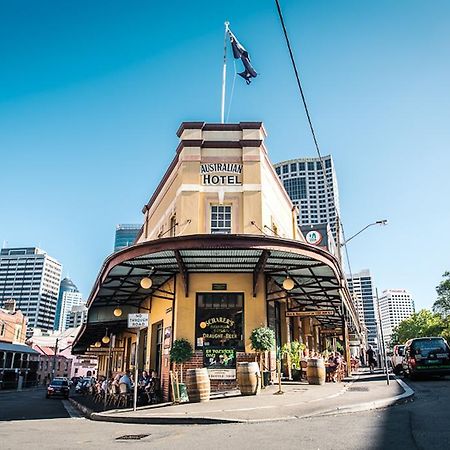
(146, 283)
(105, 339)
(117, 312)
(98, 344)
(288, 283)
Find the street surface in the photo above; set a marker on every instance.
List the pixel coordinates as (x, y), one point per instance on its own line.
(29, 421)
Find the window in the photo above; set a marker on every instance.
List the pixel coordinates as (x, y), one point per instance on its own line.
(293, 167)
(301, 166)
(219, 319)
(285, 168)
(295, 187)
(220, 219)
(278, 170)
(328, 163)
(310, 166)
(173, 225)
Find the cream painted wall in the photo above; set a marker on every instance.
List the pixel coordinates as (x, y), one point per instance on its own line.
(261, 197)
(254, 307)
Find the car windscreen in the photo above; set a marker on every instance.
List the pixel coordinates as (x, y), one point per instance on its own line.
(426, 346)
(59, 383)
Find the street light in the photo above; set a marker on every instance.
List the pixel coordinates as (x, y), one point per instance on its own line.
(378, 222)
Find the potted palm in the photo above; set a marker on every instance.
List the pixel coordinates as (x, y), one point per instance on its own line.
(293, 352)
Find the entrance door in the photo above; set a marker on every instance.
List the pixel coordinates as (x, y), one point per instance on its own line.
(157, 347)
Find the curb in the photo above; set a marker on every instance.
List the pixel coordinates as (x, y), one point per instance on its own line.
(87, 412)
(367, 406)
(171, 420)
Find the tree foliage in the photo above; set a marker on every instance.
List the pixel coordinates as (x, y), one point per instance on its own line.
(181, 351)
(442, 304)
(262, 339)
(421, 324)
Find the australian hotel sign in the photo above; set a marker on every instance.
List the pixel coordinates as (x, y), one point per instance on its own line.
(221, 174)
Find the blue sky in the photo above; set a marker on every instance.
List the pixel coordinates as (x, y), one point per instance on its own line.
(92, 92)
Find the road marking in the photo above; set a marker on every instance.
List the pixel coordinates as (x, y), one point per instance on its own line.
(73, 413)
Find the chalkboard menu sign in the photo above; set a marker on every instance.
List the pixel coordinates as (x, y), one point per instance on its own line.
(220, 362)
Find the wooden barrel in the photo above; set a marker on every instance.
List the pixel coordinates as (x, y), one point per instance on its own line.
(198, 385)
(315, 371)
(248, 378)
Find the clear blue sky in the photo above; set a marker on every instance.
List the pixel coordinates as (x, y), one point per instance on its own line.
(92, 92)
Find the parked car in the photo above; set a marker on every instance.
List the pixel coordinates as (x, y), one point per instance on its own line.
(84, 385)
(426, 356)
(58, 386)
(397, 355)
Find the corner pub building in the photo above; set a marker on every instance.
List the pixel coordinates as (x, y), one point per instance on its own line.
(219, 238)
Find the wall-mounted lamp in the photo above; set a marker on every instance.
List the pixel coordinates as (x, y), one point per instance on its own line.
(117, 312)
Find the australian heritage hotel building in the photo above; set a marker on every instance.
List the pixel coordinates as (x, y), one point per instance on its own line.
(219, 254)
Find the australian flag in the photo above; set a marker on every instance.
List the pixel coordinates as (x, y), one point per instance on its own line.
(239, 52)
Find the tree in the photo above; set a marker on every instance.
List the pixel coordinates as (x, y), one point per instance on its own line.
(421, 324)
(442, 304)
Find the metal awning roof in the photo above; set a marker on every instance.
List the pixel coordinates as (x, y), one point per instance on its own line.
(319, 281)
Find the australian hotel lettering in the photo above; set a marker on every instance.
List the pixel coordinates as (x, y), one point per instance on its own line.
(221, 174)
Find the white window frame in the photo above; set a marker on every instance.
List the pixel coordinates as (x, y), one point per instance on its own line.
(221, 219)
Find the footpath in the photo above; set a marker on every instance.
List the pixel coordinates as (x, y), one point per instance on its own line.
(300, 400)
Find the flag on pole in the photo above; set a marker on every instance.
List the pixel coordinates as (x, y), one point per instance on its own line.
(239, 52)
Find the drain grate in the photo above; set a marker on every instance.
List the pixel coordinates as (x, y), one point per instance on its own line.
(358, 389)
(131, 437)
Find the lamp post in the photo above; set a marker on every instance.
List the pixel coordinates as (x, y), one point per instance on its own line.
(378, 222)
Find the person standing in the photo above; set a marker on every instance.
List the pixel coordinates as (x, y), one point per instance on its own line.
(371, 358)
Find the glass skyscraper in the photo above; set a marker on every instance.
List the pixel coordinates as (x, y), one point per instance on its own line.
(125, 235)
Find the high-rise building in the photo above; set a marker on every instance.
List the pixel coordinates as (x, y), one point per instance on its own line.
(361, 287)
(126, 235)
(31, 277)
(77, 316)
(69, 296)
(396, 305)
(69, 301)
(317, 199)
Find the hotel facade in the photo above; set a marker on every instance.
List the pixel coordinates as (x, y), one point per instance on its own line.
(218, 242)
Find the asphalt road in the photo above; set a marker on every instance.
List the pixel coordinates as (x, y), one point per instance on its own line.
(421, 424)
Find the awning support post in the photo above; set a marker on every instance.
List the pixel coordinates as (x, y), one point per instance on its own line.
(259, 268)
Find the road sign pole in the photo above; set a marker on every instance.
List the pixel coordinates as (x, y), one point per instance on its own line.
(136, 369)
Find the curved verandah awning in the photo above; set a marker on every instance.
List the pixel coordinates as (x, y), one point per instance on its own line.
(319, 281)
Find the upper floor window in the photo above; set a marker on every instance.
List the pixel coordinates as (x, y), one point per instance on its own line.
(220, 219)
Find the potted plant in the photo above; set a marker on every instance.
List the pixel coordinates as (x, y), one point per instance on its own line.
(293, 352)
(180, 353)
(262, 340)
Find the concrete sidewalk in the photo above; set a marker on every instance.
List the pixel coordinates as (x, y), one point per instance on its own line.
(300, 400)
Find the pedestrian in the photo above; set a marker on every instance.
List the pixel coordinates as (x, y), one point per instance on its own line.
(371, 358)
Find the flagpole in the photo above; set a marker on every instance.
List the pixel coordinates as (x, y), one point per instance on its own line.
(224, 73)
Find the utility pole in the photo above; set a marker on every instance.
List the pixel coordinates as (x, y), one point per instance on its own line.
(54, 358)
(383, 347)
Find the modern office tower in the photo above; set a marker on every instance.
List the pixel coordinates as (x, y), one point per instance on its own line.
(31, 277)
(360, 285)
(316, 198)
(125, 235)
(67, 285)
(396, 305)
(77, 316)
(69, 300)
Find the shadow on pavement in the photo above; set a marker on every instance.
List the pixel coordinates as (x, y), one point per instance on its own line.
(423, 423)
(30, 405)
